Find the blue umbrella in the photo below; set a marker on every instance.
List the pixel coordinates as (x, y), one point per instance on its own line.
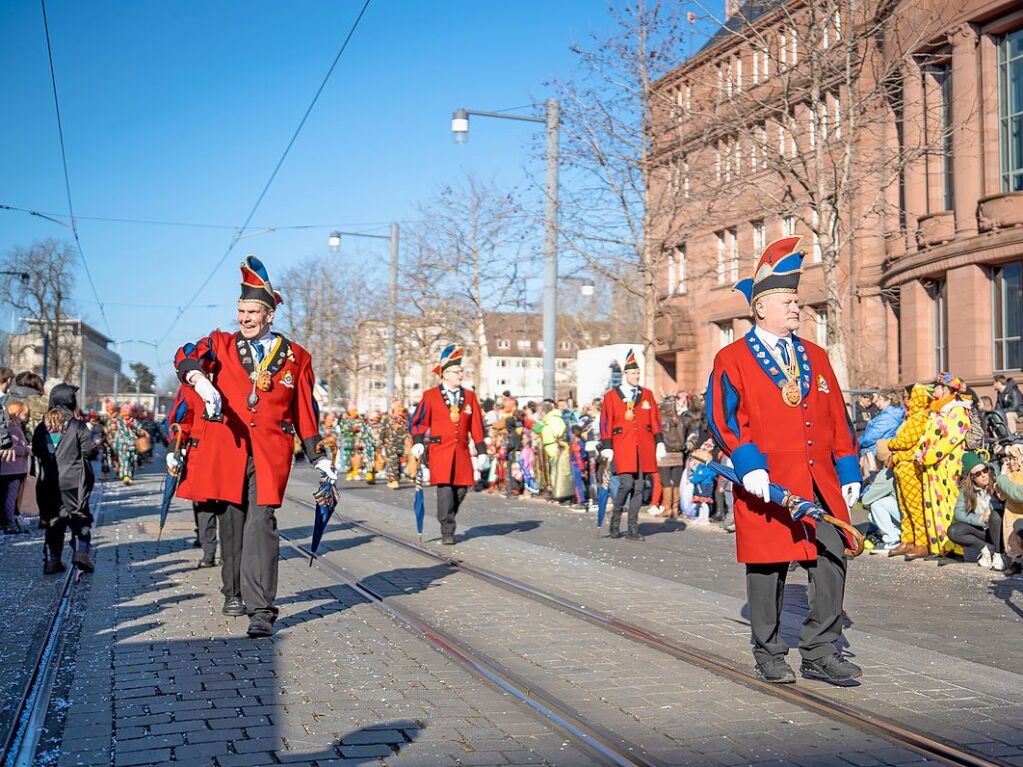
(603, 493)
(172, 478)
(798, 507)
(326, 497)
(418, 504)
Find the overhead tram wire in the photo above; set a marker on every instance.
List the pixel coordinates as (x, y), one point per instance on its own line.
(67, 176)
(266, 187)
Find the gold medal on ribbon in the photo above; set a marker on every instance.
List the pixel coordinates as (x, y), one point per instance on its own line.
(629, 415)
(791, 394)
(455, 414)
(264, 381)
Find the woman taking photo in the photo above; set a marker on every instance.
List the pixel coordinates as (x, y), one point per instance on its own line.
(978, 513)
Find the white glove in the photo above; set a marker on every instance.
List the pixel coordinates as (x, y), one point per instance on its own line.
(851, 493)
(326, 468)
(757, 483)
(607, 454)
(660, 451)
(207, 392)
(173, 462)
(418, 449)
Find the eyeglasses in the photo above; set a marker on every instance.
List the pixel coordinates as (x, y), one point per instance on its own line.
(977, 473)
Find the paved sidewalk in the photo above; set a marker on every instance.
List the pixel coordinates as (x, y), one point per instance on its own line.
(913, 682)
(160, 676)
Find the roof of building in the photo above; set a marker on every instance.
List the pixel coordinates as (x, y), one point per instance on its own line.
(748, 13)
(519, 334)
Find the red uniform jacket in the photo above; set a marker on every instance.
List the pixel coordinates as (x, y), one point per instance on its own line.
(634, 441)
(183, 413)
(803, 448)
(447, 440)
(219, 451)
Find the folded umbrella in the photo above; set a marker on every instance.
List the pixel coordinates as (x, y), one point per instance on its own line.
(603, 493)
(799, 507)
(325, 496)
(171, 479)
(418, 504)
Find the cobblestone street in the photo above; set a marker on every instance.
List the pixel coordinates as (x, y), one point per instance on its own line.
(155, 674)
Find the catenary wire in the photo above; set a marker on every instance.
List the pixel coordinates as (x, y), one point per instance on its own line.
(67, 175)
(273, 175)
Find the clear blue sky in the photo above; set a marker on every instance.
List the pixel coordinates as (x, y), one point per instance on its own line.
(178, 111)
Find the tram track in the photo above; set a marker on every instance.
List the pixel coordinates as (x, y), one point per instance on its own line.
(865, 721)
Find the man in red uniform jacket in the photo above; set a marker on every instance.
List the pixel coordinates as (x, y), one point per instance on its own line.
(257, 391)
(447, 419)
(775, 407)
(630, 434)
(183, 414)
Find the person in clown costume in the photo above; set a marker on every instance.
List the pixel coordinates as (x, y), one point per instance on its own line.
(448, 420)
(940, 454)
(909, 475)
(124, 430)
(775, 408)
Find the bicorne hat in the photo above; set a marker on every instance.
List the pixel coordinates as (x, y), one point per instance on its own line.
(256, 284)
(630, 361)
(449, 358)
(778, 270)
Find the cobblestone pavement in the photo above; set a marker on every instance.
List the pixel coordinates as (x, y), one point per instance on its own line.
(160, 676)
(916, 676)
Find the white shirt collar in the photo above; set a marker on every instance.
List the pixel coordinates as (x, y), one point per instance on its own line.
(265, 341)
(768, 338)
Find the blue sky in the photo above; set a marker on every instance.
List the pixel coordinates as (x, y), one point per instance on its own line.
(178, 111)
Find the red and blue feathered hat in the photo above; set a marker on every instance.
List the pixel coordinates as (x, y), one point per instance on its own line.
(630, 361)
(449, 358)
(778, 270)
(256, 284)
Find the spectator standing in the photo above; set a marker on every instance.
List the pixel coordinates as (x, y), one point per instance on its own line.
(909, 474)
(940, 454)
(14, 470)
(6, 377)
(670, 466)
(1010, 399)
(978, 513)
(28, 387)
(866, 409)
(884, 425)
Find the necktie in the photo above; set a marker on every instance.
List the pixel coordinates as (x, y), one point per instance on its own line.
(783, 351)
(257, 351)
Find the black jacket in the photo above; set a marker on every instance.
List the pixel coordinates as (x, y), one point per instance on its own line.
(1010, 399)
(66, 469)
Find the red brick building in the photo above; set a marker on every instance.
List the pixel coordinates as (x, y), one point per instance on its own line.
(752, 132)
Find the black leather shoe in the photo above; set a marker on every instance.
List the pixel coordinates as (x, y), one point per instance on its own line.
(830, 668)
(634, 535)
(776, 671)
(260, 625)
(83, 562)
(207, 562)
(53, 566)
(447, 540)
(234, 607)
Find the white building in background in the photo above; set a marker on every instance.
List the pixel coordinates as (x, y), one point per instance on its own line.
(594, 367)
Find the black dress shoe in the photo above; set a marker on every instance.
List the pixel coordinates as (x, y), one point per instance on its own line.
(634, 535)
(234, 607)
(260, 625)
(614, 533)
(776, 671)
(83, 562)
(53, 566)
(447, 540)
(830, 668)
(207, 562)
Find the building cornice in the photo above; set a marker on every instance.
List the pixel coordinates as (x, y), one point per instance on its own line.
(991, 248)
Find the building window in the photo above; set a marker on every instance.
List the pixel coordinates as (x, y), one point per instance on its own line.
(415, 386)
(733, 254)
(726, 334)
(761, 139)
(378, 384)
(939, 294)
(522, 343)
(820, 319)
(677, 271)
(1010, 83)
(503, 343)
(685, 177)
(788, 226)
(502, 363)
(942, 76)
(717, 161)
(759, 239)
(562, 364)
(783, 50)
(817, 240)
(1007, 316)
(738, 72)
(564, 345)
(793, 46)
(756, 66)
(502, 381)
(720, 237)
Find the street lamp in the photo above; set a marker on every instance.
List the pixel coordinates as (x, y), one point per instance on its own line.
(460, 134)
(334, 241)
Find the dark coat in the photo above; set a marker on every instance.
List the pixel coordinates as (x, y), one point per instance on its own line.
(65, 469)
(1010, 399)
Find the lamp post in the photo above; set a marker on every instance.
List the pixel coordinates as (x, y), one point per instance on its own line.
(334, 241)
(460, 129)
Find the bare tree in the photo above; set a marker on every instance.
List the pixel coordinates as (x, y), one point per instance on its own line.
(470, 256)
(795, 113)
(621, 200)
(45, 296)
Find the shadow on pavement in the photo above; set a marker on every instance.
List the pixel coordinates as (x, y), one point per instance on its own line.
(504, 528)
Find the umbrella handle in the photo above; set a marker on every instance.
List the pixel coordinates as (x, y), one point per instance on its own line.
(854, 534)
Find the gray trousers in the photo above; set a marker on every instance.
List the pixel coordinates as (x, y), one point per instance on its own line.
(250, 549)
(629, 483)
(206, 527)
(765, 592)
(449, 500)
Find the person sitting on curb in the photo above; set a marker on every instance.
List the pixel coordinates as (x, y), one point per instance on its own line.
(978, 513)
(883, 509)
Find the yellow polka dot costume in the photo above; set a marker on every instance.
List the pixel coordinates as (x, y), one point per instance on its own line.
(941, 451)
(908, 473)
